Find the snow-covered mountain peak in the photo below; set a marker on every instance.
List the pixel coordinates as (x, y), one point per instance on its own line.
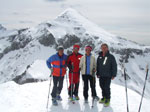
(69, 15)
(75, 23)
(2, 28)
(75, 19)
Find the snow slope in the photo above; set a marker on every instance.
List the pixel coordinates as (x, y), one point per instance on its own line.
(32, 97)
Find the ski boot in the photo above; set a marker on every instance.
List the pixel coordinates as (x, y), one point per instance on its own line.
(102, 100)
(107, 102)
(96, 98)
(54, 102)
(58, 97)
(86, 100)
(77, 98)
(72, 99)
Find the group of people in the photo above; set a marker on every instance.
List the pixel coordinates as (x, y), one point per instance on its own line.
(105, 68)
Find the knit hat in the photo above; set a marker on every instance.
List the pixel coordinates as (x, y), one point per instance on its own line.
(76, 46)
(88, 47)
(60, 48)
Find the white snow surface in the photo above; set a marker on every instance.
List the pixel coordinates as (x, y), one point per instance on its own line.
(32, 97)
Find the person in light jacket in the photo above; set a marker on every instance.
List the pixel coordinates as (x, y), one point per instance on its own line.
(88, 68)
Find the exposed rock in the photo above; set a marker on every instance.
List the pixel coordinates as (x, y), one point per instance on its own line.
(22, 30)
(68, 41)
(47, 40)
(24, 78)
(86, 42)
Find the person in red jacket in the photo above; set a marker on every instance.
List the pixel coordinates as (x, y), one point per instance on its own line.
(73, 65)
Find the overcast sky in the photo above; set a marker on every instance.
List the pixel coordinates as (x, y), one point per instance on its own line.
(126, 18)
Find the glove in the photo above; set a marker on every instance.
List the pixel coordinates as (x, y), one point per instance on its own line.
(93, 72)
(79, 70)
(50, 75)
(71, 71)
(112, 78)
(51, 69)
(98, 76)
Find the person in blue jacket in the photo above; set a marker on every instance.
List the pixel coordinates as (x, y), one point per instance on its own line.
(57, 64)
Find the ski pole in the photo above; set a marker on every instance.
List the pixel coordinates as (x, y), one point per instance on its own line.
(93, 76)
(144, 88)
(125, 78)
(67, 82)
(49, 91)
(72, 81)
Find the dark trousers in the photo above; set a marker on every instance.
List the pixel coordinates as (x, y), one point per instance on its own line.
(74, 89)
(86, 79)
(105, 86)
(57, 86)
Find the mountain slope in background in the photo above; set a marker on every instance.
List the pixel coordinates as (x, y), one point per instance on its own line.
(21, 51)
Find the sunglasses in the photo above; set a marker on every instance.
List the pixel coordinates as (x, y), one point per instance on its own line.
(87, 50)
(76, 48)
(60, 49)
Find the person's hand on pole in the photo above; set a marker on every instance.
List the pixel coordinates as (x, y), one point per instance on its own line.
(51, 69)
(112, 78)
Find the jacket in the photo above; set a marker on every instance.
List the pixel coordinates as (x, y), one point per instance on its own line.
(58, 63)
(106, 65)
(73, 62)
(83, 64)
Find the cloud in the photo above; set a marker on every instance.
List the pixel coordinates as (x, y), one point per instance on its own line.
(55, 0)
(25, 22)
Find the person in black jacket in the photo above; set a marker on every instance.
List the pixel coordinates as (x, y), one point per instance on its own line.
(106, 71)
